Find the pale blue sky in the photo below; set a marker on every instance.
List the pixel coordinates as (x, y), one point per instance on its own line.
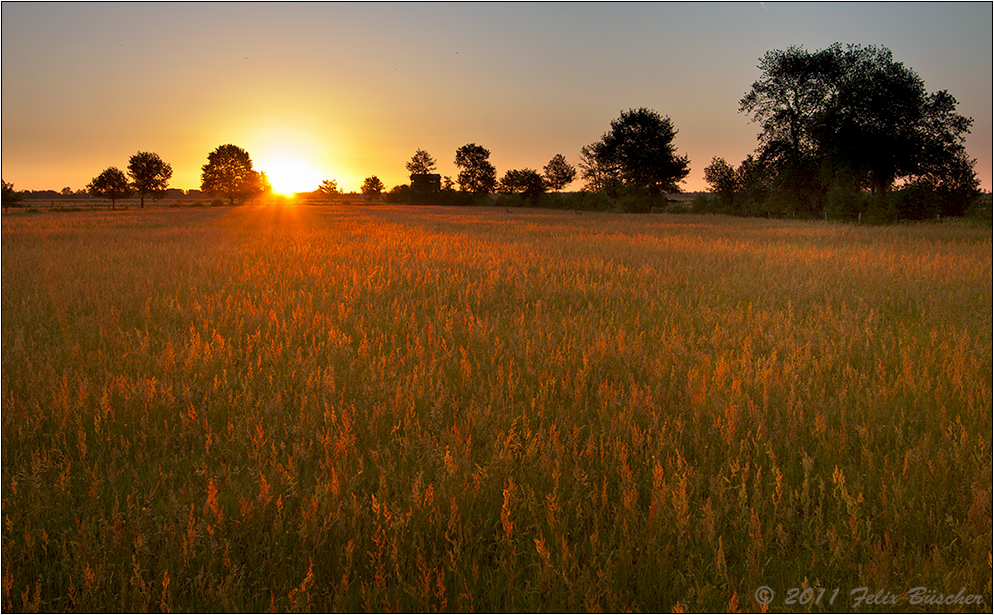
(352, 90)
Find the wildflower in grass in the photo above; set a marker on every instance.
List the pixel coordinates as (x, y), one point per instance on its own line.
(505, 511)
(211, 504)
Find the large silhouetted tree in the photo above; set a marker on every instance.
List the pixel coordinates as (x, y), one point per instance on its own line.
(110, 184)
(638, 151)
(786, 101)
(149, 174)
(852, 114)
(477, 175)
(229, 173)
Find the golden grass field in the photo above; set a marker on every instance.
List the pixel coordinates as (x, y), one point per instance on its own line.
(423, 409)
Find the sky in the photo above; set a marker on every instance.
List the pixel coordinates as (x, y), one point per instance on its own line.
(344, 91)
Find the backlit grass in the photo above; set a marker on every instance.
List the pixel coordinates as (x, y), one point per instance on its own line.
(397, 409)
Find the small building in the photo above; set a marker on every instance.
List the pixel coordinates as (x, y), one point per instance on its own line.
(426, 183)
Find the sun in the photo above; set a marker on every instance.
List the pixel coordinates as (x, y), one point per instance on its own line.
(289, 174)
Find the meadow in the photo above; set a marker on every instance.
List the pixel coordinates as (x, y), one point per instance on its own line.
(426, 409)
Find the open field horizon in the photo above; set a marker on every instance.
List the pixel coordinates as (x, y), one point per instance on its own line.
(333, 408)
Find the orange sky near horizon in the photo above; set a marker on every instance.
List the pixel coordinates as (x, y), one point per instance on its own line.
(345, 91)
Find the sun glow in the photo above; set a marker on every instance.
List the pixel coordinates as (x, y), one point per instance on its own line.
(290, 175)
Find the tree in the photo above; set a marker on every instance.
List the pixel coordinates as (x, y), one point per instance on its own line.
(559, 173)
(639, 151)
(477, 175)
(851, 115)
(955, 184)
(723, 180)
(786, 100)
(740, 191)
(421, 163)
(752, 179)
(11, 197)
(372, 187)
(599, 174)
(258, 183)
(229, 173)
(526, 181)
(330, 187)
(110, 184)
(149, 174)
(67, 191)
(884, 125)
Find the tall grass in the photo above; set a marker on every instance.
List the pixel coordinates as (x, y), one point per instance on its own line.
(424, 409)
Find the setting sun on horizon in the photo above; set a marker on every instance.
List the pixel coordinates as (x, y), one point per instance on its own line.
(289, 174)
(292, 154)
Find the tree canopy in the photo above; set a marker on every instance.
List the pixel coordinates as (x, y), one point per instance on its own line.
(110, 184)
(525, 181)
(421, 163)
(149, 174)
(598, 173)
(229, 173)
(722, 178)
(330, 187)
(853, 115)
(638, 152)
(372, 187)
(559, 173)
(477, 174)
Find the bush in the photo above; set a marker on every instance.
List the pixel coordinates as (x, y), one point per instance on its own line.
(701, 204)
(845, 203)
(585, 201)
(402, 194)
(638, 201)
(981, 210)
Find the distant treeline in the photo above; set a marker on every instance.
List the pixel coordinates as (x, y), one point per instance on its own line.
(67, 194)
(847, 133)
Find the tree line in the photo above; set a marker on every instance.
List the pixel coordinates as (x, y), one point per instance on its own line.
(847, 132)
(477, 179)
